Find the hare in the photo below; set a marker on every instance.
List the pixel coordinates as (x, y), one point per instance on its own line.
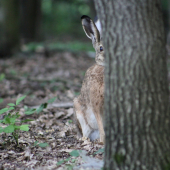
(88, 106)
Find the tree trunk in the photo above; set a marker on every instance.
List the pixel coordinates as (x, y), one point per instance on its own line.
(169, 14)
(92, 8)
(137, 115)
(168, 38)
(30, 20)
(9, 40)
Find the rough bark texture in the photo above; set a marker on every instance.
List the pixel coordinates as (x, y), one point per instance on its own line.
(169, 15)
(136, 92)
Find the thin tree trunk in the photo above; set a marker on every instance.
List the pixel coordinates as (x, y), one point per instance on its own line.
(168, 38)
(92, 8)
(169, 14)
(9, 41)
(137, 115)
(30, 20)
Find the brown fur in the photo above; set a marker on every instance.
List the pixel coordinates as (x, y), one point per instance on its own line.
(92, 93)
(91, 100)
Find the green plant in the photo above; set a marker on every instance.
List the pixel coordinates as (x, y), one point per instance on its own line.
(11, 120)
(13, 72)
(70, 121)
(42, 145)
(14, 125)
(52, 100)
(2, 77)
(1, 100)
(74, 153)
(99, 151)
(39, 109)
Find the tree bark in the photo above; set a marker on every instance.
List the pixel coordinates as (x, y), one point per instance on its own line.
(137, 115)
(165, 11)
(169, 14)
(168, 38)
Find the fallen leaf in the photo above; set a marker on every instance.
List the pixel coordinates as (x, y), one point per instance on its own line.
(69, 113)
(59, 114)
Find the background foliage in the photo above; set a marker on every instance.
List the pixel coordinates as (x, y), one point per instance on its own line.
(47, 22)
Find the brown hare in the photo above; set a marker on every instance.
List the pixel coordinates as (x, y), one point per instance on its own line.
(88, 105)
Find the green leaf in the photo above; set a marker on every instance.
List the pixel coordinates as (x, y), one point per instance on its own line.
(11, 104)
(42, 106)
(69, 167)
(30, 112)
(1, 100)
(12, 120)
(16, 127)
(9, 129)
(52, 100)
(1, 129)
(27, 120)
(2, 76)
(70, 121)
(74, 153)
(20, 99)
(11, 108)
(24, 127)
(3, 110)
(66, 160)
(73, 160)
(60, 162)
(17, 115)
(13, 72)
(35, 143)
(99, 151)
(43, 145)
(6, 120)
(26, 108)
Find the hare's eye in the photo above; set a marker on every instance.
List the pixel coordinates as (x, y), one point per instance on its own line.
(101, 48)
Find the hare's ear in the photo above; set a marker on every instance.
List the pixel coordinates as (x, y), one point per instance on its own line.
(98, 25)
(90, 29)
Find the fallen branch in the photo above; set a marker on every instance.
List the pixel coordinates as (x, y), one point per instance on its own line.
(57, 105)
(63, 105)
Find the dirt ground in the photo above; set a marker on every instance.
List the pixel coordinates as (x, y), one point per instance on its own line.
(42, 78)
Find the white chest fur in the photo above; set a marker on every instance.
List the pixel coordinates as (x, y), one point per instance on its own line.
(89, 124)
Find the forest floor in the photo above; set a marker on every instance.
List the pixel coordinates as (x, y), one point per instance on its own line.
(50, 83)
